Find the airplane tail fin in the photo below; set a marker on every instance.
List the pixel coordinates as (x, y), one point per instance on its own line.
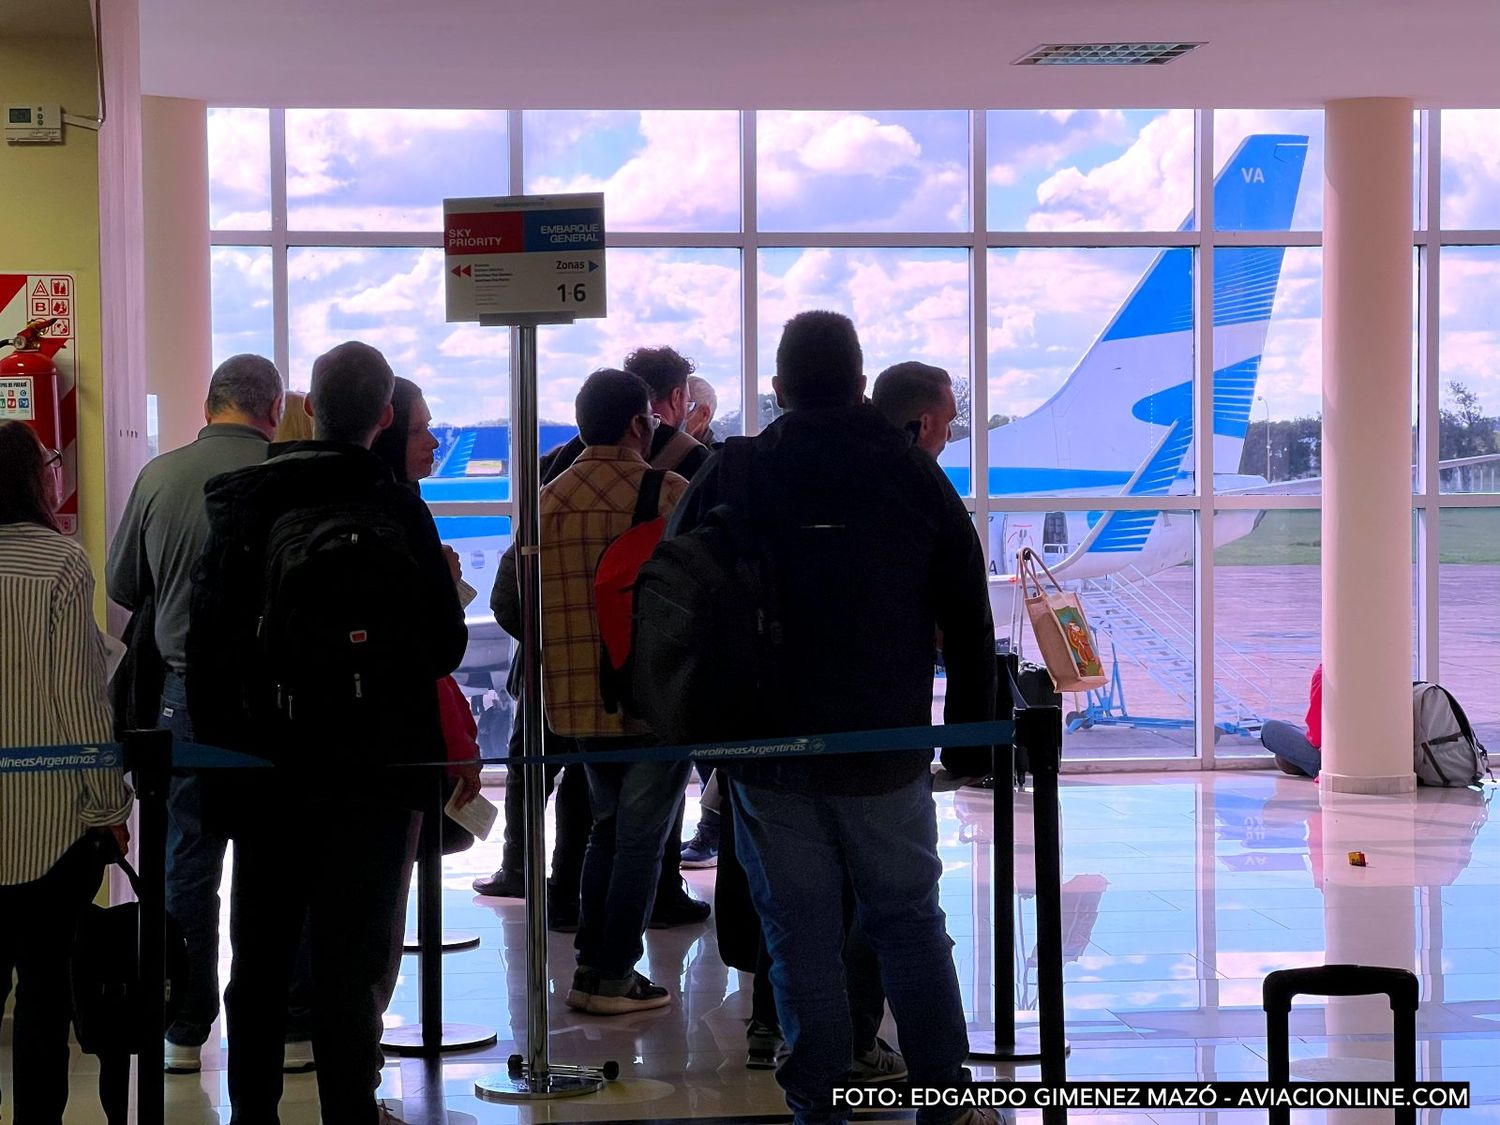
(1107, 418)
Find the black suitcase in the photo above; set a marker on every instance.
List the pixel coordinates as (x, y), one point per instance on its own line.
(1280, 987)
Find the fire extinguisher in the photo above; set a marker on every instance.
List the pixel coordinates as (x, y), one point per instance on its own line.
(28, 381)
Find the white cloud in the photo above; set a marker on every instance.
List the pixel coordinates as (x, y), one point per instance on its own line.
(1141, 189)
(794, 145)
(1104, 125)
(904, 306)
(239, 162)
(1471, 168)
(684, 177)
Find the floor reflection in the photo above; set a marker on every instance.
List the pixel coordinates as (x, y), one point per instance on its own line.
(1181, 891)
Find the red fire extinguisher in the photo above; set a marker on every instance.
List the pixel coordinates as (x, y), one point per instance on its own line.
(28, 381)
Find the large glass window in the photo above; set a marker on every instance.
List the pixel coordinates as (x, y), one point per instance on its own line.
(1468, 581)
(688, 298)
(242, 314)
(659, 170)
(1091, 370)
(1075, 352)
(388, 169)
(907, 303)
(1260, 156)
(820, 171)
(1089, 170)
(1268, 369)
(1468, 345)
(239, 169)
(1268, 626)
(1471, 169)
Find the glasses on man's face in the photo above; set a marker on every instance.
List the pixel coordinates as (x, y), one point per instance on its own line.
(691, 406)
(654, 420)
(54, 457)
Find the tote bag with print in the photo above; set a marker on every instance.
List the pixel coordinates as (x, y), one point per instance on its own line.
(1061, 628)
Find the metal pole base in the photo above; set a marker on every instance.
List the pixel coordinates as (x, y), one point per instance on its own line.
(408, 1039)
(609, 1071)
(1027, 1048)
(453, 941)
(521, 1087)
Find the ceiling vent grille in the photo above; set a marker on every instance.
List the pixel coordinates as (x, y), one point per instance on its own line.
(1105, 54)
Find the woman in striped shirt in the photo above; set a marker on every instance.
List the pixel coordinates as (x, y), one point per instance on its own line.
(51, 694)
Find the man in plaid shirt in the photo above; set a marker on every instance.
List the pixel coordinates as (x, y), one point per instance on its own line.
(582, 511)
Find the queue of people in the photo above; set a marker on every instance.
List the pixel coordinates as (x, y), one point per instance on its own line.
(292, 597)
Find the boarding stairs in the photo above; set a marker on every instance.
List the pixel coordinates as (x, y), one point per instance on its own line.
(1144, 624)
(456, 459)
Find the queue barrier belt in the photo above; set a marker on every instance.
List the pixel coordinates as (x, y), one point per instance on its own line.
(192, 755)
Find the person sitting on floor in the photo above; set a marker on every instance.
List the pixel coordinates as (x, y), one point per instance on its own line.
(1297, 752)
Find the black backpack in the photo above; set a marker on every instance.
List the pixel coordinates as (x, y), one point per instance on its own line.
(337, 628)
(706, 635)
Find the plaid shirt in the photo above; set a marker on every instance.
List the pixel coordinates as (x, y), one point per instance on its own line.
(583, 511)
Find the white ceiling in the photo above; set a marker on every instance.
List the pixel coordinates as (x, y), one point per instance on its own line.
(870, 54)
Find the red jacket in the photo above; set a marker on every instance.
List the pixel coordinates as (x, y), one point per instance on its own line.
(1315, 710)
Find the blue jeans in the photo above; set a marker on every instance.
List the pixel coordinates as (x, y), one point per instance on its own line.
(634, 806)
(1289, 741)
(195, 868)
(797, 852)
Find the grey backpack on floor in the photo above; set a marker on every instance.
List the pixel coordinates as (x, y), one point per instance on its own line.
(1446, 751)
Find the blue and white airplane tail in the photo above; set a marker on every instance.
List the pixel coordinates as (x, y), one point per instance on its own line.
(1134, 384)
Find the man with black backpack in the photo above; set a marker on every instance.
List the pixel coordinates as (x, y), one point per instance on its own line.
(583, 511)
(324, 611)
(862, 551)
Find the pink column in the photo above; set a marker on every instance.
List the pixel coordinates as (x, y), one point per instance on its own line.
(1367, 280)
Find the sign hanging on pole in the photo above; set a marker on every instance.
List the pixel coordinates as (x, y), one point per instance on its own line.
(524, 256)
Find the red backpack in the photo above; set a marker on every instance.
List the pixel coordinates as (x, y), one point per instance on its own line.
(614, 588)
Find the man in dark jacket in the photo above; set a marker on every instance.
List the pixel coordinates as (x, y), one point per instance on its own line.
(325, 816)
(872, 554)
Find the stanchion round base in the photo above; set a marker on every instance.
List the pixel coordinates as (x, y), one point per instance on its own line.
(407, 1040)
(1026, 1050)
(453, 941)
(524, 1088)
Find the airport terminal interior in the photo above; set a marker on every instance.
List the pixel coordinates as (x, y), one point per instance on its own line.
(1118, 227)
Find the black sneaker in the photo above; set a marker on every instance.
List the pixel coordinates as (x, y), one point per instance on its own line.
(630, 993)
(502, 884)
(679, 909)
(762, 1044)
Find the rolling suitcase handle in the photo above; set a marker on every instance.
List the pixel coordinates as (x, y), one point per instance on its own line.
(1398, 985)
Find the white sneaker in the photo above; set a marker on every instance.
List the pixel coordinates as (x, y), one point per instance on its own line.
(181, 1058)
(297, 1057)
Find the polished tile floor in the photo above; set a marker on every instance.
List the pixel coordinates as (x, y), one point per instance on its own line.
(1181, 891)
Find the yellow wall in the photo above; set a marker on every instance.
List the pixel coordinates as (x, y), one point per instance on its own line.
(49, 221)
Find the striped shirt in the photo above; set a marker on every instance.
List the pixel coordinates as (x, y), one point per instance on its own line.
(51, 694)
(584, 510)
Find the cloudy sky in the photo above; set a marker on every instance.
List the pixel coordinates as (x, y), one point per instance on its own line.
(389, 170)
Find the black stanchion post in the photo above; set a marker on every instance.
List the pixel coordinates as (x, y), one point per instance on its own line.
(430, 924)
(1040, 729)
(148, 757)
(431, 1036)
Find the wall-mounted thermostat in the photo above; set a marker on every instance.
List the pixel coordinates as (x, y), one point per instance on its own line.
(33, 124)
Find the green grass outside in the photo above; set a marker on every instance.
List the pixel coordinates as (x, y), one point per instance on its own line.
(1467, 536)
